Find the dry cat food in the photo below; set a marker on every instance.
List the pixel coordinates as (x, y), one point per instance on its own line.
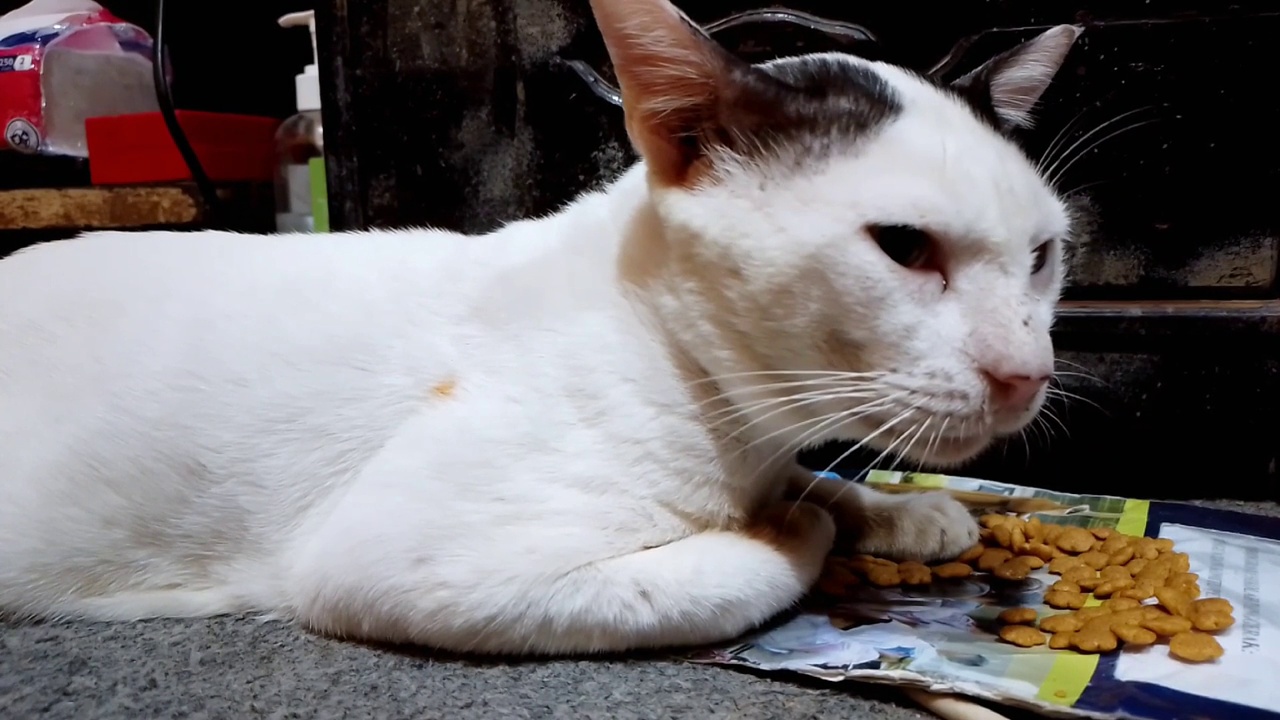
(1116, 590)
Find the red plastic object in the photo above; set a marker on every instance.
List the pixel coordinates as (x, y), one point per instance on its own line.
(137, 149)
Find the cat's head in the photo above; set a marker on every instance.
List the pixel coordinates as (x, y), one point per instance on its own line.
(857, 252)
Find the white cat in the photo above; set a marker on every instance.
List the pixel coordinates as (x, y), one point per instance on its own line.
(573, 434)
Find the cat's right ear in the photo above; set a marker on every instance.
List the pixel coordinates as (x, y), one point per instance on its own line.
(673, 78)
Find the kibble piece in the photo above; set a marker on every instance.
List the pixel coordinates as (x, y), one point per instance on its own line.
(864, 563)
(1060, 565)
(1128, 616)
(1095, 559)
(1034, 530)
(1014, 570)
(1141, 590)
(1110, 587)
(1060, 641)
(1065, 586)
(1157, 572)
(1195, 647)
(1175, 600)
(1114, 543)
(1018, 539)
(1018, 616)
(951, 571)
(1214, 604)
(1031, 561)
(1164, 545)
(1089, 584)
(1121, 603)
(1092, 613)
(884, 576)
(1094, 639)
(1040, 550)
(1136, 565)
(915, 574)
(1180, 562)
(1123, 556)
(1022, 635)
(1052, 531)
(1114, 572)
(1133, 634)
(1003, 535)
(1167, 625)
(1062, 623)
(991, 521)
(971, 554)
(1075, 540)
(1079, 573)
(993, 558)
(1103, 533)
(1065, 600)
(1211, 621)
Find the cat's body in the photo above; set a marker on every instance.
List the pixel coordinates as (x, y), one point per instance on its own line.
(567, 435)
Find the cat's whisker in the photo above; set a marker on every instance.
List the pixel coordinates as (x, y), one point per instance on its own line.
(1050, 170)
(936, 438)
(852, 449)
(851, 390)
(1094, 145)
(797, 373)
(785, 408)
(906, 452)
(1054, 417)
(827, 421)
(1086, 376)
(789, 404)
(798, 444)
(878, 431)
(1067, 395)
(1071, 363)
(820, 382)
(1058, 139)
(1043, 425)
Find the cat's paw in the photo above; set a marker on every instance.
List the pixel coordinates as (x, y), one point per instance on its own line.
(928, 527)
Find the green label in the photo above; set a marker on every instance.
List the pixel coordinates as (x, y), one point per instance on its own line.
(319, 195)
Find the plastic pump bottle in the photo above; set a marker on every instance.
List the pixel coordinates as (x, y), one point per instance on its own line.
(302, 202)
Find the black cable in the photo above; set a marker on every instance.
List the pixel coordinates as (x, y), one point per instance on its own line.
(165, 97)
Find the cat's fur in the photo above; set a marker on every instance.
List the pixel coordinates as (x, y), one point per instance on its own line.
(554, 438)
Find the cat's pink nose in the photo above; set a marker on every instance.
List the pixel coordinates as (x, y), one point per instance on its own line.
(1015, 391)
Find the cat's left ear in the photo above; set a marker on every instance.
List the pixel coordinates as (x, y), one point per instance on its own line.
(678, 85)
(1008, 86)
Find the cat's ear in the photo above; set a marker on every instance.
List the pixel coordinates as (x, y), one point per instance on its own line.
(1009, 85)
(673, 79)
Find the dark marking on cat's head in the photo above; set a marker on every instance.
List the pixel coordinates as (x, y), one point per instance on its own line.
(829, 100)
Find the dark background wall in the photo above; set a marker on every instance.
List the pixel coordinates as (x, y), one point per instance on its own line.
(464, 115)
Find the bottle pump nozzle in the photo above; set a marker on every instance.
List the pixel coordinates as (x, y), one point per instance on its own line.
(307, 82)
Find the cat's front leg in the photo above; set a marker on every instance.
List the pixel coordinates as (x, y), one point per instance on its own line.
(373, 582)
(929, 526)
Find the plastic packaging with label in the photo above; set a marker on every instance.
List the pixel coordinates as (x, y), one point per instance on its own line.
(63, 62)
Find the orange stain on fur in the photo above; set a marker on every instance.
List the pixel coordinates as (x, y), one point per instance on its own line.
(445, 389)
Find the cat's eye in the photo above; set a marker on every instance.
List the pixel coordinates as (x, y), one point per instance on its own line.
(906, 245)
(1039, 258)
